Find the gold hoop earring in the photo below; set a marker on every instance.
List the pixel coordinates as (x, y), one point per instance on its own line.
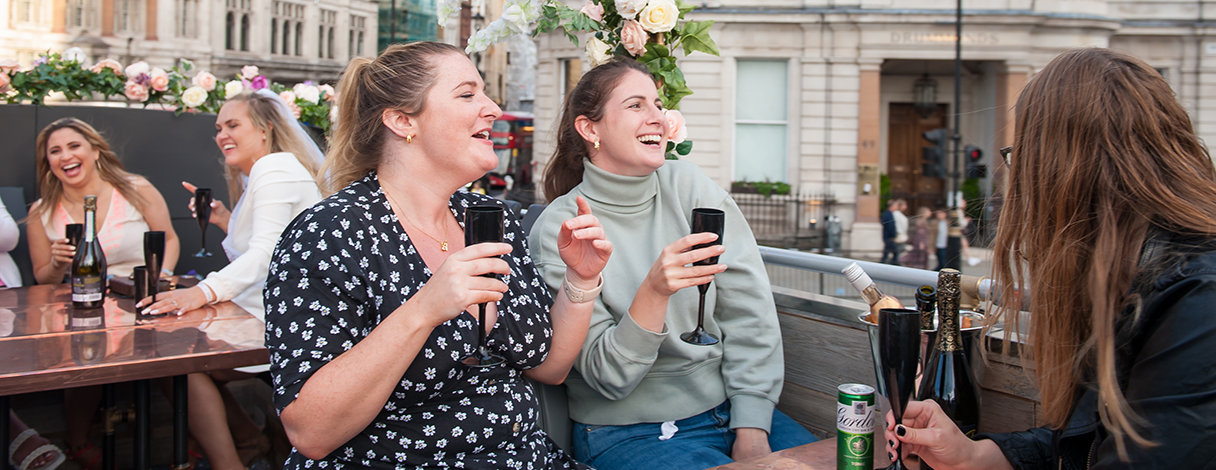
(409, 139)
(597, 145)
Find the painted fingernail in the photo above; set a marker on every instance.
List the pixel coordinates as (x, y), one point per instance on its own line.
(153, 312)
(891, 442)
(890, 456)
(901, 431)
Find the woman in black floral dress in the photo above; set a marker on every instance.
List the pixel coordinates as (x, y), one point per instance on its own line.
(371, 299)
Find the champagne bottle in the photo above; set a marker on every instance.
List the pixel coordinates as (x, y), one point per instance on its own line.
(89, 265)
(869, 291)
(926, 303)
(948, 378)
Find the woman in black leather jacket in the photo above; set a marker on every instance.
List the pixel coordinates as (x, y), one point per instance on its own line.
(1110, 222)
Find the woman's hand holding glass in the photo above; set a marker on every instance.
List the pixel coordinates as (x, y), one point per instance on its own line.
(62, 253)
(219, 213)
(458, 283)
(927, 432)
(584, 247)
(672, 271)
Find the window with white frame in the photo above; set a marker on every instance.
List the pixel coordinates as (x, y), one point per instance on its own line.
(82, 14)
(325, 34)
(571, 71)
(126, 16)
(357, 26)
(185, 18)
(30, 11)
(761, 120)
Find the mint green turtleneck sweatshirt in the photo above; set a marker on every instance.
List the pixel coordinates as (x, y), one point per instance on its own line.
(626, 374)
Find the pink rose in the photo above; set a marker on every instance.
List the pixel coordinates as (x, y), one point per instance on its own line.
(329, 93)
(136, 92)
(204, 80)
(593, 10)
(9, 66)
(107, 64)
(4, 80)
(159, 80)
(677, 132)
(633, 37)
(258, 82)
(295, 109)
(249, 71)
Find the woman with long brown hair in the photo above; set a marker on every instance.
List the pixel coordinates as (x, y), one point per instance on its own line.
(1109, 224)
(641, 396)
(75, 161)
(371, 303)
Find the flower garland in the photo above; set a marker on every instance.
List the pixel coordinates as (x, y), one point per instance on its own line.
(649, 31)
(139, 83)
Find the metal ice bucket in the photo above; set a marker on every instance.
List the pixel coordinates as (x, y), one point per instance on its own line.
(928, 340)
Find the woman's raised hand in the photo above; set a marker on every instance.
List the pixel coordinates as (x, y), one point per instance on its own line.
(219, 213)
(671, 272)
(458, 283)
(584, 247)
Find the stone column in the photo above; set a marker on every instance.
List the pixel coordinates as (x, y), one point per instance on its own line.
(59, 16)
(107, 18)
(867, 230)
(150, 26)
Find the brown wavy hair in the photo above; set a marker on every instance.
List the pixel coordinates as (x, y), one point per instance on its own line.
(1102, 154)
(398, 79)
(111, 170)
(564, 170)
(265, 116)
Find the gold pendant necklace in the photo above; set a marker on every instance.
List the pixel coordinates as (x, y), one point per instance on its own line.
(443, 244)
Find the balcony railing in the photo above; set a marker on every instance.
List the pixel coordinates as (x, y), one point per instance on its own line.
(787, 221)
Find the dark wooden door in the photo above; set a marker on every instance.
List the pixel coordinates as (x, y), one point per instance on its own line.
(905, 142)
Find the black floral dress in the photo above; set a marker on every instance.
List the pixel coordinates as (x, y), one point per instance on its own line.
(340, 269)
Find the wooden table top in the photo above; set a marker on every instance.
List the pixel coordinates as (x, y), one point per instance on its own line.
(45, 344)
(819, 455)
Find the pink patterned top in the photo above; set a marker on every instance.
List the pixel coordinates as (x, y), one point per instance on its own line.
(121, 234)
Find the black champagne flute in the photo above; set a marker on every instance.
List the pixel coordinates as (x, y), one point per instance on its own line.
(74, 233)
(154, 257)
(712, 221)
(202, 213)
(483, 224)
(899, 352)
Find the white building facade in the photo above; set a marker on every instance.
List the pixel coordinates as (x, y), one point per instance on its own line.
(819, 94)
(290, 40)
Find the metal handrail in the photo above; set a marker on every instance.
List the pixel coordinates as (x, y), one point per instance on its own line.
(973, 286)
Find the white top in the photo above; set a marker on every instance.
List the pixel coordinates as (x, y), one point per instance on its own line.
(942, 231)
(279, 189)
(10, 234)
(121, 234)
(901, 226)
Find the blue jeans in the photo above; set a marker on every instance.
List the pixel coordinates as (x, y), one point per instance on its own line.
(703, 441)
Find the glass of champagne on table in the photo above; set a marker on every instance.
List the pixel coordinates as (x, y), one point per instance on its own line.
(154, 257)
(483, 224)
(202, 213)
(899, 354)
(712, 221)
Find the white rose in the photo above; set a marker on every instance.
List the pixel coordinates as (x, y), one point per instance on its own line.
(288, 96)
(598, 52)
(659, 16)
(329, 92)
(232, 89)
(194, 96)
(76, 54)
(333, 115)
(310, 94)
(135, 69)
(629, 8)
(249, 71)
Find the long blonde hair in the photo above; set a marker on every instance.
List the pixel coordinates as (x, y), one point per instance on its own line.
(1102, 153)
(111, 170)
(265, 116)
(398, 79)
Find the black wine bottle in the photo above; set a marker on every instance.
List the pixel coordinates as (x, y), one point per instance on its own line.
(948, 378)
(89, 265)
(926, 303)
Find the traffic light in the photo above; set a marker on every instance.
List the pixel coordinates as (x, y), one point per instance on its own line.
(934, 156)
(975, 169)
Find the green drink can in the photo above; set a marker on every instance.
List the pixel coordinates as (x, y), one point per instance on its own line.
(855, 415)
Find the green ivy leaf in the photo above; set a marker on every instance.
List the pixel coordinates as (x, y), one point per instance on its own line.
(684, 7)
(684, 148)
(696, 38)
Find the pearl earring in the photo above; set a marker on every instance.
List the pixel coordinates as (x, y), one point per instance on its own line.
(597, 145)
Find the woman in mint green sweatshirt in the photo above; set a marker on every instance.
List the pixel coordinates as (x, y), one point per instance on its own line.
(640, 396)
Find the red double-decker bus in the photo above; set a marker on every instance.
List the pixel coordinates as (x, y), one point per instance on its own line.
(512, 137)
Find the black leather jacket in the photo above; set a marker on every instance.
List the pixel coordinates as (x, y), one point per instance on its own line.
(1166, 362)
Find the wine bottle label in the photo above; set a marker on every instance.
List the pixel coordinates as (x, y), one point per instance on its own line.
(87, 289)
(85, 322)
(855, 415)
